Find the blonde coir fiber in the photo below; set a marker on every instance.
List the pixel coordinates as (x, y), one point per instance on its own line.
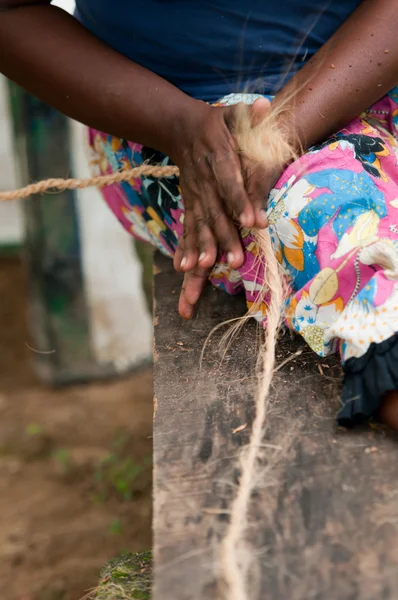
(265, 144)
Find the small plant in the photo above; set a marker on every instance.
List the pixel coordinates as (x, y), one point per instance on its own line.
(115, 527)
(117, 473)
(62, 459)
(120, 441)
(33, 429)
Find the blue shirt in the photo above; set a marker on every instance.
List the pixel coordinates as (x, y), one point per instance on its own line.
(210, 48)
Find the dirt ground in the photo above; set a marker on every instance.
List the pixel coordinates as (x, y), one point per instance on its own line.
(75, 472)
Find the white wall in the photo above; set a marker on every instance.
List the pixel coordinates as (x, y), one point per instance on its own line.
(10, 213)
(120, 323)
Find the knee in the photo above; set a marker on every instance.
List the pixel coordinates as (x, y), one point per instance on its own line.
(389, 409)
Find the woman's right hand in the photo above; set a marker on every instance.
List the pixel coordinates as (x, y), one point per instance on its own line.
(232, 177)
(219, 193)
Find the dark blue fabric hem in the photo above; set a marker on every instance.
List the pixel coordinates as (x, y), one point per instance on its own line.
(366, 381)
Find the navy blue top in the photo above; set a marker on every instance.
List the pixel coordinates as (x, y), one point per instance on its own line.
(209, 48)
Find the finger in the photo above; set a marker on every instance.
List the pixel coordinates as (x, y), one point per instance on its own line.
(192, 287)
(225, 232)
(205, 237)
(231, 188)
(227, 172)
(254, 179)
(259, 110)
(179, 254)
(257, 182)
(190, 252)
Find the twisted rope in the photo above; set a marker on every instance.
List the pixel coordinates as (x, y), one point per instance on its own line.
(99, 181)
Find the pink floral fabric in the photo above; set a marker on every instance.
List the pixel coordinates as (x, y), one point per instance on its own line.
(333, 222)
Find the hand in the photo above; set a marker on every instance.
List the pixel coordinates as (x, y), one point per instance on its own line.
(258, 184)
(220, 191)
(192, 286)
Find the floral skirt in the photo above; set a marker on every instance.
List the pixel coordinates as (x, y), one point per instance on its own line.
(333, 218)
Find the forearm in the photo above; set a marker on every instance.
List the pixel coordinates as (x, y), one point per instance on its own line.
(50, 54)
(353, 70)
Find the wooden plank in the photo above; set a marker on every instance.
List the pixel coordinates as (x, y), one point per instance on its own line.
(325, 514)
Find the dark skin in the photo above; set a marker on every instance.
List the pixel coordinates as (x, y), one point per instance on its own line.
(353, 70)
(51, 55)
(48, 53)
(389, 410)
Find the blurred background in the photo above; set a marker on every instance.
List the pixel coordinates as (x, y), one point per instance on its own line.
(75, 367)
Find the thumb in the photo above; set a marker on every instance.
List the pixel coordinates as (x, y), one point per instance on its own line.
(258, 110)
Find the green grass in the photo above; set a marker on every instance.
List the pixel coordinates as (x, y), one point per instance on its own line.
(117, 473)
(63, 460)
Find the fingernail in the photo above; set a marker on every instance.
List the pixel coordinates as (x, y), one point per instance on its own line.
(202, 256)
(243, 220)
(183, 262)
(230, 258)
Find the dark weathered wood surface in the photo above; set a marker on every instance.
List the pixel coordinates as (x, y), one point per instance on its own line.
(326, 511)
